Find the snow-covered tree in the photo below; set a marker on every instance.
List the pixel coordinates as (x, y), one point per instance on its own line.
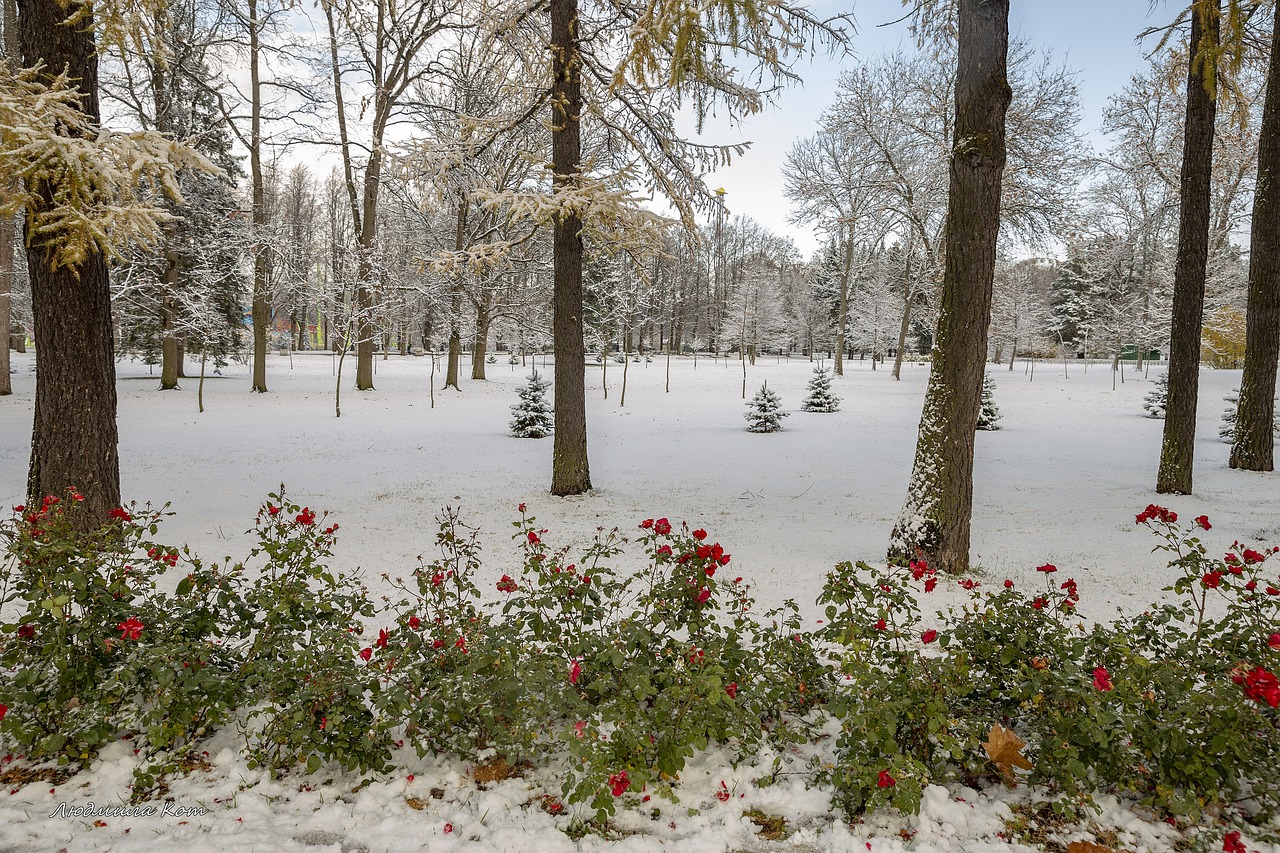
(533, 416)
(1231, 414)
(820, 397)
(1155, 401)
(988, 411)
(764, 412)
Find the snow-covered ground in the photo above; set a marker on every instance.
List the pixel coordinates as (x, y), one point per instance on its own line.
(1061, 482)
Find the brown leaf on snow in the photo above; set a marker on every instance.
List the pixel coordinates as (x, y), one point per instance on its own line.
(1090, 847)
(1004, 748)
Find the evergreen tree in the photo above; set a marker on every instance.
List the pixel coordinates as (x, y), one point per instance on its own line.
(533, 417)
(1230, 415)
(1154, 402)
(988, 412)
(820, 398)
(764, 412)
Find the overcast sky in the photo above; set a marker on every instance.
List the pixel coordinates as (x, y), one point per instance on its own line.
(1095, 38)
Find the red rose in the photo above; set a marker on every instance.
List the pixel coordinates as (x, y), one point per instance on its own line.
(415, 622)
(1203, 521)
(881, 625)
(929, 584)
(646, 524)
(1212, 579)
(619, 783)
(1274, 641)
(575, 672)
(1231, 843)
(4, 709)
(533, 538)
(929, 636)
(1040, 602)
(699, 534)
(1251, 556)
(1262, 686)
(731, 689)
(703, 596)
(121, 514)
(366, 653)
(1102, 679)
(130, 629)
(383, 637)
(1047, 568)
(662, 527)
(1008, 584)
(520, 508)
(507, 584)
(306, 518)
(884, 780)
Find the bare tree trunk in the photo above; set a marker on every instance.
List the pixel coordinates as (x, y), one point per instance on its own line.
(936, 516)
(570, 472)
(1254, 446)
(6, 288)
(169, 337)
(481, 348)
(906, 320)
(1177, 451)
(74, 437)
(181, 360)
(842, 318)
(260, 309)
(7, 225)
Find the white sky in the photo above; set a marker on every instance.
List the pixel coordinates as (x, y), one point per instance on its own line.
(1096, 38)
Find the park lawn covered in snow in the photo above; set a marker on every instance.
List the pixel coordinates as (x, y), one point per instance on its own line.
(1060, 482)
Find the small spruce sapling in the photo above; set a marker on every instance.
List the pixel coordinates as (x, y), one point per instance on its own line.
(1156, 401)
(532, 414)
(989, 413)
(764, 412)
(820, 398)
(1227, 430)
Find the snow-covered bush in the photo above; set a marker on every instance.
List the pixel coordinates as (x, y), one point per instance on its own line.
(533, 418)
(820, 397)
(988, 413)
(1158, 398)
(764, 411)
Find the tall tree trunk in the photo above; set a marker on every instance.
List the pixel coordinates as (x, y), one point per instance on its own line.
(453, 370)
(570, 472)
(936, 516)
(182, 356)
(1177, 451)
(11, 50)
(842, 319)
(905, 326)
(74, 438)
(168, 334)
(1254, 445)
(260, 309)
(482, 338)
(6, 302)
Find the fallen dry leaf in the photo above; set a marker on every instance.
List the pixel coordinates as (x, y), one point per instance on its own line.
(1090, 847)
(1004, 748)
(494, 771)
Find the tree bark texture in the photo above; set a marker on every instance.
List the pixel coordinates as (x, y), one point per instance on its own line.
(6, 301)
(1177, 450)
(570, 473)
(1254, 445)
(481, 348)
(260, 309)
(936, 515)
(74, 438)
